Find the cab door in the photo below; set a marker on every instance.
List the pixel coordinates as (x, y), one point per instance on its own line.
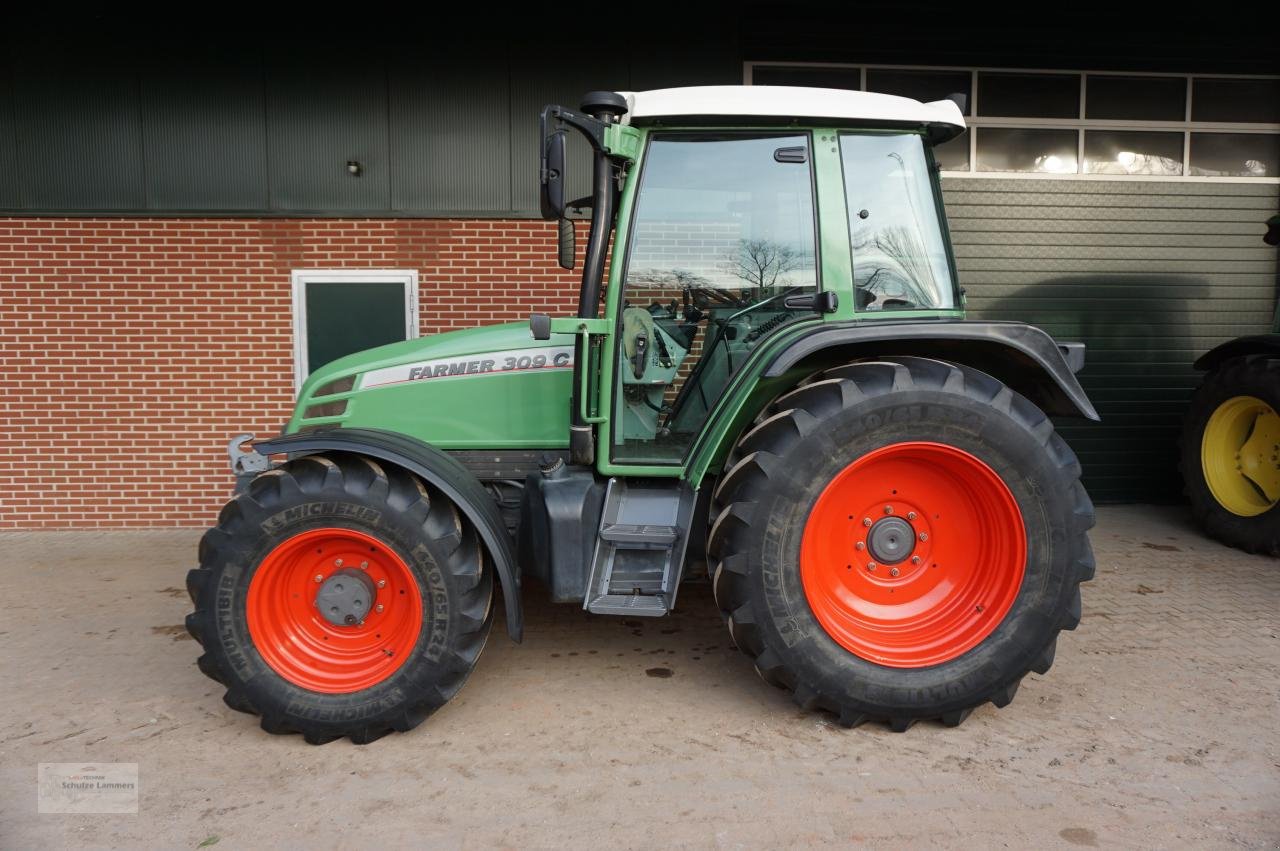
(720, 250)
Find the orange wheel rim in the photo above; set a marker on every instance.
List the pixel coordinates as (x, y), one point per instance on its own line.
(301, 645)
(913, 554)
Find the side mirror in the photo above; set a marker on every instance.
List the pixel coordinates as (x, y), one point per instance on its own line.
(553, 175)
(567, 244)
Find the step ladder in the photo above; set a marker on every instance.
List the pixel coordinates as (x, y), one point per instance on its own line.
(639, 552)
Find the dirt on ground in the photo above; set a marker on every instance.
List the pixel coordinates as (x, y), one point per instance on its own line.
(1157, 727)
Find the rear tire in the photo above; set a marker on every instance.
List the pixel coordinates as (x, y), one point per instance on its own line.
(256, 613)
(771, 499)
(1230, 411)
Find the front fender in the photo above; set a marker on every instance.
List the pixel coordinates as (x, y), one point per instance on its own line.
(438, 469)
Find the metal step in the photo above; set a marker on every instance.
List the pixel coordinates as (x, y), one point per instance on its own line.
(628, 604)
(635, 533)
(639, 552)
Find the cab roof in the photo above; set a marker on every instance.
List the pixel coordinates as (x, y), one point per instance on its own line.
(943, 119)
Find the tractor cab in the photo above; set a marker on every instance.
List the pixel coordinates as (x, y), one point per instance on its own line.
(718, 245)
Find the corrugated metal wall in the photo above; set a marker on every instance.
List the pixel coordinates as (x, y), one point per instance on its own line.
(1148, 274)
(236, 127)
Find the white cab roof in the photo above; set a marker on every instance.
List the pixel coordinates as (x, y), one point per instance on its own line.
(791, 102)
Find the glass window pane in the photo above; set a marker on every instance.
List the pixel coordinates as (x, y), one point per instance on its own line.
(343, 318)
(1029, 95)
(920, 85)
(822, 78)
(953, 154)
(1136, 98)
(706, 198)
(1131, 152)
(1235, 155)
(1016, 149)
(899, 257)
(1235, 100)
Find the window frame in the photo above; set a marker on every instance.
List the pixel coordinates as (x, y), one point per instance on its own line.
(1080, 124)
(300, 278)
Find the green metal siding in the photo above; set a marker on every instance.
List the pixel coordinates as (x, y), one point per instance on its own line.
(205, 140)
(1148, 274)
(79, 132)
(8, 142)
(450, 126)
(320, 115)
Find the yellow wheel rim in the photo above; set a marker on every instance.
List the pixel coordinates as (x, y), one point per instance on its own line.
(1240, 455)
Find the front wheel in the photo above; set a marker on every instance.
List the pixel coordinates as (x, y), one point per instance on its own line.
(336, 597)
(900, 540)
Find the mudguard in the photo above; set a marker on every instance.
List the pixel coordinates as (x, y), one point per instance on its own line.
(1256, 344)
(440, 470)
(1021, 356)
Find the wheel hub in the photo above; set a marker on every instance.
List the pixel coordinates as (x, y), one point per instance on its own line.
(293, 596)
(891, 540)
(929, 579)
(346, 598)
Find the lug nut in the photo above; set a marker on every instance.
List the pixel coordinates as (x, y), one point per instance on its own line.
(871, 566)
(859, 546)
(915, 559)
(893, 571)
(888, 509)
(924, 536)
(382, 583)
(364, 565)
(866, 521)
(319, 577)
(378, 608)
(337, 562)
(911, 515)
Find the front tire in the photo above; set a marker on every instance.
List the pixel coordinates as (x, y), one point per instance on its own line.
(338, 597)
(900, 540)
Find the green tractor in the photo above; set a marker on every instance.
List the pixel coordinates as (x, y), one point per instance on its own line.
(1231, 438)
(775, 389)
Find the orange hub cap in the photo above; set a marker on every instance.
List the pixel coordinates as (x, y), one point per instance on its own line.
(913, 554)
(334, 610)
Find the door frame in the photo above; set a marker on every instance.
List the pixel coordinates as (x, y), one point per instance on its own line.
(301, 277)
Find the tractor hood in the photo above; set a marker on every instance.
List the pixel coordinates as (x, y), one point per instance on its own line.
(491, 387)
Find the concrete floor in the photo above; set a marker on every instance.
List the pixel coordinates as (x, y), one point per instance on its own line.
(1157, 727)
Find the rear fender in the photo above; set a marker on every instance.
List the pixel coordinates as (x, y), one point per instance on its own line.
(1021, 356)
(1257, 344)
(441, 471)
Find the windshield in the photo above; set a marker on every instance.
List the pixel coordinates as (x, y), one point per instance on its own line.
(899, 255)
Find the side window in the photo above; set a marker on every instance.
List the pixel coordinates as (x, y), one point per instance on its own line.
(723, 232)
(895, 227)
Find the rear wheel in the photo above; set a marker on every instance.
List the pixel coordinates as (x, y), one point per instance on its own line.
(1231, 454)
(337, 598)
(900, 540)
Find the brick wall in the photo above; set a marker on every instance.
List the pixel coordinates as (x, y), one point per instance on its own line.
(132, 349)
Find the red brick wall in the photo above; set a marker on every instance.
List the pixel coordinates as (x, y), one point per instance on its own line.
(132, 349)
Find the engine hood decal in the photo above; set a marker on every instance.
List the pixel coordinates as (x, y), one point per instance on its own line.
(471, 365)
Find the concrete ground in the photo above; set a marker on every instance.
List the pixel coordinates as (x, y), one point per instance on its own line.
(1157, 727)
